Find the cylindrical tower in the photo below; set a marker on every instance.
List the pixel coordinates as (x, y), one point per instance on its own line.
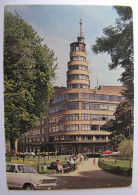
(77, 74)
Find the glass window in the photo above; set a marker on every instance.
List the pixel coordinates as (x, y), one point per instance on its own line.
(112, 107)
(73, 117)
(85, 127)
(72, 127)
(103, 107)
(112, 98)
(73, 96)
(73, 106)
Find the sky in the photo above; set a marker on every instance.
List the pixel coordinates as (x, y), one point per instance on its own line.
(59, 26)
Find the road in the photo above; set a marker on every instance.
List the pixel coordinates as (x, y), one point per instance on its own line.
(88, 176)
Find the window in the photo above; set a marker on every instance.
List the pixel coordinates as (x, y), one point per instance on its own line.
(72, 117)
(74, 58)
(73, 106)
(78, 86)
(103, 107)
(56, 109)
(112, 98)
(11, 168)
(73, 96)
(112, 107)
(59, 99)
(85, 127)
(72, 127)
(94, 127)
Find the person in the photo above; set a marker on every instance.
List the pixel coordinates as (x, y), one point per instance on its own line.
(44, 167)
(94, 161)
(59, 167)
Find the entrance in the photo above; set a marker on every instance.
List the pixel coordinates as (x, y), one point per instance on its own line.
(73, 150)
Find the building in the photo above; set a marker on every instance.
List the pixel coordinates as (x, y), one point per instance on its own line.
(76, 113)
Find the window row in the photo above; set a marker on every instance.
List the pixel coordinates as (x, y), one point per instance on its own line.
(56, 119)
(89, 127)
(84, 106)
(91, 96)
(73, 127)
(78, 86)
(78, 58)
(56, 109)
(97, 117)
(61, 118)
(92, 106)
(58, 99)
(31, 140)
(75, 138)
(78, 67)
(77, 47)
(75, 117)
(97, 137)
(72, 106)
(78, 77)
(72, 96)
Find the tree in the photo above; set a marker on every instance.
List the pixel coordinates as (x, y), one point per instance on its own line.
(126, 149)
(121, 127)
(118, 43)
(29, 69)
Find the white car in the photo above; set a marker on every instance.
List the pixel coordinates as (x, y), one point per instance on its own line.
(21, 176)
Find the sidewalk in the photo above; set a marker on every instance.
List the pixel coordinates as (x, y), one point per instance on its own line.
(84, 166)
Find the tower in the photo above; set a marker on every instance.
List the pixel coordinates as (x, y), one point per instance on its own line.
(77, 74)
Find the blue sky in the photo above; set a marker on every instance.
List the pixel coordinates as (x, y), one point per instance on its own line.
(59, 26)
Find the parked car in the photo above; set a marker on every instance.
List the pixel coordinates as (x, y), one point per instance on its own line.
(30, 154)
(21, 176)
(107, 152)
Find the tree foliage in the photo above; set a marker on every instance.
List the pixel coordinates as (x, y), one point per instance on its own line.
(122, 126)
(126, 148)
(29, 69)
(117, 41)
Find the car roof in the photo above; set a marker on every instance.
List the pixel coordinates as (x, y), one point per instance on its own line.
(17, 164)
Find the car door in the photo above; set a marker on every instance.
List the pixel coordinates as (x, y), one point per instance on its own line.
(12, 176)
(24, 177)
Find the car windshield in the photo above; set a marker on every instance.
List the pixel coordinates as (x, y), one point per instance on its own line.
(26, 169)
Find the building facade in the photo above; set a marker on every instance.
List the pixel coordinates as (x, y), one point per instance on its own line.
(77, 113)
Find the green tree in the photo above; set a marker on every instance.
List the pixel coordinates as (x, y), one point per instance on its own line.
(121, 127)
(117, 41)
(29, 69)
(126, 149)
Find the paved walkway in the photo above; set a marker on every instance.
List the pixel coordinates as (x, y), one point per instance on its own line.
(88, 176)
(85, 166)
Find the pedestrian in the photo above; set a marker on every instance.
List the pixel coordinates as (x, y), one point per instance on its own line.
(44, 167)
(94, 161)
(59, 167)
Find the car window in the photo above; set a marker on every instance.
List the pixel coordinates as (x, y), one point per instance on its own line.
(11, 168)
(26, 169)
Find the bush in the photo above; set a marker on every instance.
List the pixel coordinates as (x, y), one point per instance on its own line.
(115, 169)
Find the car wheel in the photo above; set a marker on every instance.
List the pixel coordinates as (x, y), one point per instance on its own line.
(29, 187)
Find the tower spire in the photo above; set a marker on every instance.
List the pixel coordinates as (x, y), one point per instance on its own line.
(81, 28)
(81, 37)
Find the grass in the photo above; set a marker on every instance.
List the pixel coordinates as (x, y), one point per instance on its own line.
(120, 163)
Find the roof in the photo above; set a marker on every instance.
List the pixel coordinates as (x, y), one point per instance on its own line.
(111, 88)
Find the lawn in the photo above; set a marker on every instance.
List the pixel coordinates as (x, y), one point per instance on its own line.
(120, 163)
